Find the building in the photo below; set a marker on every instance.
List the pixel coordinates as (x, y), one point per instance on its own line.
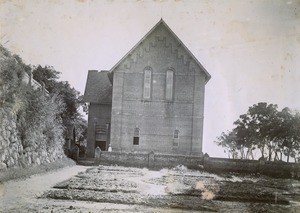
(151, 100)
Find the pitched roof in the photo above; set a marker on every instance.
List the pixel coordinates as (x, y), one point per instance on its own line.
(161, 22)
(98, 87)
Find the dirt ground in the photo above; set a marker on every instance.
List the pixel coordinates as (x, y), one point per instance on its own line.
(127, 189)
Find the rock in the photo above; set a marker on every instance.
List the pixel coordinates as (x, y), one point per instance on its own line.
(48, 160)
(3, 166)
(4, 134)
(29, 160)
(38, 161)
(71, 207)
(22, 161)
(15, 156)
(10, 162)
(3, 156)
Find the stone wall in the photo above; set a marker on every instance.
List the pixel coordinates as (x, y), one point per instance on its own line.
(150, 160)
(270, 168)
(216, 165)
(13, 154)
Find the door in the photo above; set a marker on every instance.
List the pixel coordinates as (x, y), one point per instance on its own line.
(101, 144)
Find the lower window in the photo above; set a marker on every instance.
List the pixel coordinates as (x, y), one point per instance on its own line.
(175, 142)
(136, 140)
(176, 138)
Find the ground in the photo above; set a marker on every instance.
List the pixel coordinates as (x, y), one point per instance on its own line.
(127, 189)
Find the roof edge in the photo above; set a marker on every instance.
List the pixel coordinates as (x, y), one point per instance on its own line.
(135, 46)
(161, 21)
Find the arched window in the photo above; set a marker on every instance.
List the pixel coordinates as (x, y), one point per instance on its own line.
(169, 84)
(136, 136)
(147, 83)
(176, 138)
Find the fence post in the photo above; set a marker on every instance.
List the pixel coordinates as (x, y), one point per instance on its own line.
(205, 161)
(151, 159)
(97, 155)
(261, 163)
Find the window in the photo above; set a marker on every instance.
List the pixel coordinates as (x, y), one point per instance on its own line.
(176, 134)
(169, 85)
(147, 83)
(176, 138)
(136, 137)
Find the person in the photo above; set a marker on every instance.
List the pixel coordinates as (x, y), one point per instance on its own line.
(109, 148)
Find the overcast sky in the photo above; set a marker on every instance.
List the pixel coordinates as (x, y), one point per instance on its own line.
(250, 48)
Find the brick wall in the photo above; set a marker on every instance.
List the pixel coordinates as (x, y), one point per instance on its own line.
(99, 114)
(157, 118)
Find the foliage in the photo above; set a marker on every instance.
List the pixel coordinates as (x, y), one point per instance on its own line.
(228, 142)
(42, 119)
(264, 128)
(10, 81)
(70, 115)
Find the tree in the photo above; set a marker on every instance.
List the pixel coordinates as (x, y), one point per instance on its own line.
(255, 129)
(288, 133)
(70, 97)
(48, 75)
(262, 124)
(264, 128)
(228, 142)
(245, 136)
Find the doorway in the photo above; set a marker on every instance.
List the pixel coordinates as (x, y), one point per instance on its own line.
(101, 144)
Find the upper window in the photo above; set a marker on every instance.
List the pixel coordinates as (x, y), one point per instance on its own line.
(176, 134)
(169, 84)
(147, 83)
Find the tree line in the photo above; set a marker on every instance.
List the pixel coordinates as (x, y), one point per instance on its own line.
(273, 133)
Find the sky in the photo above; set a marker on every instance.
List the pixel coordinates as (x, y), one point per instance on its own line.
(251, 48)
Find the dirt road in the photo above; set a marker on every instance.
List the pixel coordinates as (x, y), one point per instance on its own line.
(121, 189)
(21, 193)
(23, 196)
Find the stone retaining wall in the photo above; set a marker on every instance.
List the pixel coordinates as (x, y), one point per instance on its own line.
(12, 152)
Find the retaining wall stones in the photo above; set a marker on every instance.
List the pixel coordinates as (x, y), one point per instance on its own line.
(12, 152)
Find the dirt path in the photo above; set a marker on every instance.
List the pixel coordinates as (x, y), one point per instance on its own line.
(22, 196)
(25, 191)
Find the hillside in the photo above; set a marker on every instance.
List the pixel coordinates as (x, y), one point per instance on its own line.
(31, 132)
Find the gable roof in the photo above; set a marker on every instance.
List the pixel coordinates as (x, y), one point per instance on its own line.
(98, 87)
(161, 22)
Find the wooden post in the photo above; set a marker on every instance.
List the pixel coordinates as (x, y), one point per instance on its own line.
(151, 159)
(97, 155)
